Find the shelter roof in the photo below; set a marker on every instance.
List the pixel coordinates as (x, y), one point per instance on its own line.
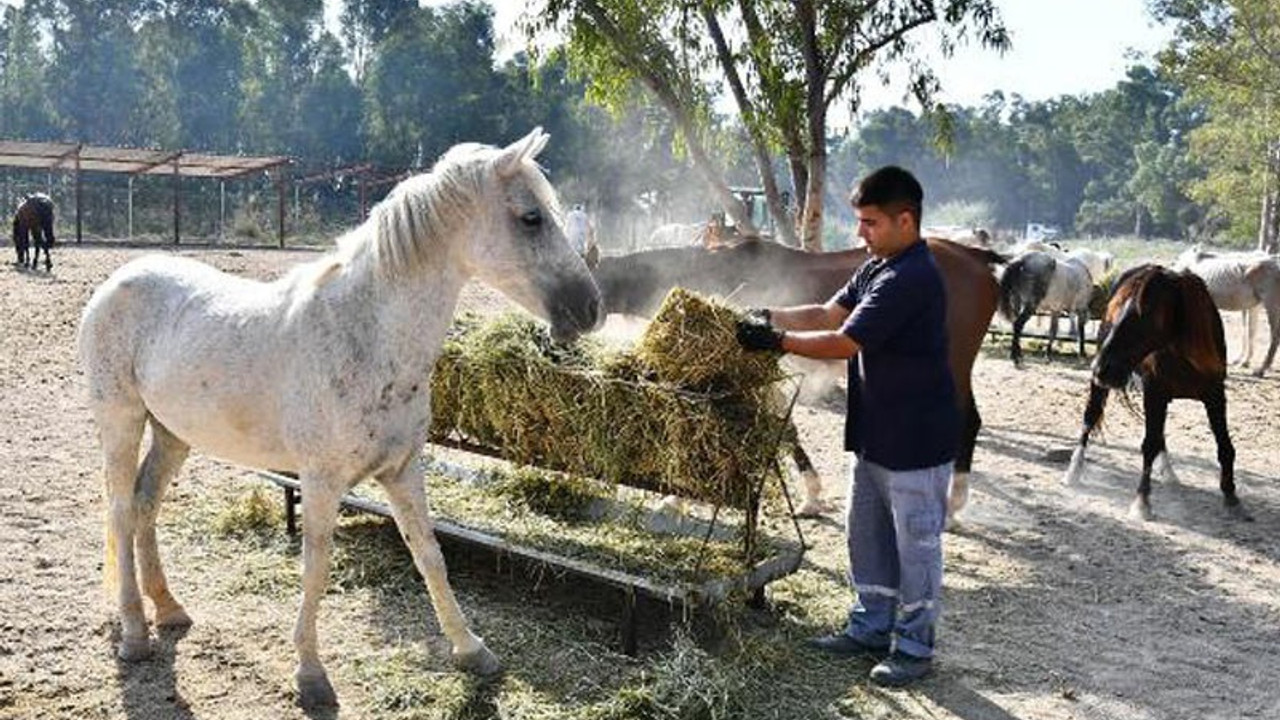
(132, 161)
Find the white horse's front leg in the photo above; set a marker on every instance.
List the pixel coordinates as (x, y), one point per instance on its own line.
(409, 506)
(319, 517)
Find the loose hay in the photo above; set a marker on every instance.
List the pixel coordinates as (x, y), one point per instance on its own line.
(688, 413)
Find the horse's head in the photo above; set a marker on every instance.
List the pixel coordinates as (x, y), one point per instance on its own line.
(518, 243)
(1154, 309)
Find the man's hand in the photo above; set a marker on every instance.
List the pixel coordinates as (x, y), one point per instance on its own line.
(755, 334)
(759, 314)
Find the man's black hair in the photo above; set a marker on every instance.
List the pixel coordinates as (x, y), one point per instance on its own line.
(891, 189)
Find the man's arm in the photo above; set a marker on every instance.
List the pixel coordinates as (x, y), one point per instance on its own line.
(820, 344)
(828, 316)
(813, 331)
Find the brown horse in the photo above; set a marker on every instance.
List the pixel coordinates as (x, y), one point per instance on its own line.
(33, 229)
(1162, 325)
(756, 273)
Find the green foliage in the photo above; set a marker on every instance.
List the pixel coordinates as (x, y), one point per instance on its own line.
(1227, 54)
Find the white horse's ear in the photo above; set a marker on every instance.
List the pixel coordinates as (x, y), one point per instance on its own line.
(528, 147)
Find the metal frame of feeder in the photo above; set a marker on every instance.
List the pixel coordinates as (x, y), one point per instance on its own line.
(687, 595)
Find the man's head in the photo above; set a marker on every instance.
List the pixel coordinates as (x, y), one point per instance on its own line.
(888, 203)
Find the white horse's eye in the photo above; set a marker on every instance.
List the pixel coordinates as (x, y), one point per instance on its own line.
(532, 218)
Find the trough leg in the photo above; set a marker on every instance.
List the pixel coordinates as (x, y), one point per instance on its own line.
(628, 625)
(409, 507)
(291, 501)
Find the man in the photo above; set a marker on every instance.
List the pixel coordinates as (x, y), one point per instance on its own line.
(889, 321)
(581, 233)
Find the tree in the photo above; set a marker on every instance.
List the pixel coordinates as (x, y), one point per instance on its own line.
(785, 64)
(25, 107)
(1227, 53)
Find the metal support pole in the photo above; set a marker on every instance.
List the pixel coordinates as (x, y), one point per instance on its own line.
(222, 210)
(280, 200)
(79, 196)
(177, 213)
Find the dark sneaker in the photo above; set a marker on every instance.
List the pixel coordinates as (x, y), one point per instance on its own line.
(845, 644)
(899, 669)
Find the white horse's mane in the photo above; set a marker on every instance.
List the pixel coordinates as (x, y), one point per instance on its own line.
(402, 232)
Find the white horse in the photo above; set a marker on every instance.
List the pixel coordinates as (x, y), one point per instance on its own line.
(324, 372)
(1244, 281)
(678, 235)
(1049, 281)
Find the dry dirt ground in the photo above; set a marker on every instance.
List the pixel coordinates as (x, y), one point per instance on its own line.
(1057, 604)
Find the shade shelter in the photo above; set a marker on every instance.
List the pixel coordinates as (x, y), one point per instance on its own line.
(78, 157)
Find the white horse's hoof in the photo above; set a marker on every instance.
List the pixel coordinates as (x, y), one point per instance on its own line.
(175, 617)
(481, 662)
(134, 649)
(315, 691)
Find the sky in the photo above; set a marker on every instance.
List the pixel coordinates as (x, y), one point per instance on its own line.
(1060, 47)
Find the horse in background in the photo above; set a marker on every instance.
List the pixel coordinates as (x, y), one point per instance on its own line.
(1162, 325)
(1045, 281)
(324, 372)
(33, 230)
(762, 273)
(1244, 281)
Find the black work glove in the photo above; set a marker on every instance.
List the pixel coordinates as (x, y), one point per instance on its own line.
(759, 314)
(756, 335)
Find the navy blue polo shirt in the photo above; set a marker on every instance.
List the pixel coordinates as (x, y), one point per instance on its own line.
(902, 407)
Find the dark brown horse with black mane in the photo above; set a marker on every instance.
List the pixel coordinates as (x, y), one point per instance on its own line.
(33, 229)
(1162, 325)
(756, 273)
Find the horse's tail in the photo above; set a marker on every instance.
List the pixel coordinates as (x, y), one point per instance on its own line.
(1010, 282)
(1024, 283)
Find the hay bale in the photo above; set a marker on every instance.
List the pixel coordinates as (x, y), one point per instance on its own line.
(691, 343)
(666, 418)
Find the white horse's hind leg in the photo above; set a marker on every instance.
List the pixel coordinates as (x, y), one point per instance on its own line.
(1273, 325)
(162, 463)
(1248, 318)
(409, 506)
(319, 517)
(120, 431)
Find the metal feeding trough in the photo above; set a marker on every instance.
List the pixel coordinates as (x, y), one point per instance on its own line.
(756, 573)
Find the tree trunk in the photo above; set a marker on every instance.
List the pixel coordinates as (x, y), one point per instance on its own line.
(760, 151)
(1269, 220)
(816, 112)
